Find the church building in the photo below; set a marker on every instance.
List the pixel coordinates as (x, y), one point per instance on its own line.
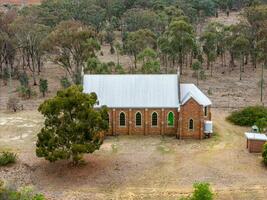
(152, 104)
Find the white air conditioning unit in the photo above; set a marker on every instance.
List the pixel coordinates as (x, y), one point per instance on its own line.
(208, 127)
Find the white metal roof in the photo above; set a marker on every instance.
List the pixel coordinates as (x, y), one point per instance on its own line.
(191, 91)
(141, 91)
(256, 136)
(134, 91)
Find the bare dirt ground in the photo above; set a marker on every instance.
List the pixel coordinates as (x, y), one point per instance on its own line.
(134, 167)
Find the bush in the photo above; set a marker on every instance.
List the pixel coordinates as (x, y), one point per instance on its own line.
(26, 92)
(7, 158)
(43, 86)
(25, 193)
(201, 192)
(65, 83)
(264, 154)
(248, 116)
(13, 104)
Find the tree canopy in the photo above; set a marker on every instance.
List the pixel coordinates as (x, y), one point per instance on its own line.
(72, 125)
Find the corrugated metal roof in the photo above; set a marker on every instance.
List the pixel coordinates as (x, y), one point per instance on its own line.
(141, 91)
(134, 91)
(256, 136)
(191, 91)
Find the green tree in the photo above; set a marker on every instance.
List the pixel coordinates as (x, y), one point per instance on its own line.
(240, 47)
(262, 47)
(138, 41)
(72, 126)
(181, 39)
(136, 18)
(209, 40)
(150, 64)
(72, 43)
(43, 86)
(119, 51)
(196, 66)
(30, 37)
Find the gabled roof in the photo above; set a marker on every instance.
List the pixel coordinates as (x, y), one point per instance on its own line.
(256, 136)
(142, 91)
(134, 91)
(189, 91)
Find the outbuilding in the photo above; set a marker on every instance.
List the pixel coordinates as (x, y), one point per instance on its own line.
(255, 142)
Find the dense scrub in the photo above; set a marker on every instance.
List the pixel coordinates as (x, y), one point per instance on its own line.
(248, 116)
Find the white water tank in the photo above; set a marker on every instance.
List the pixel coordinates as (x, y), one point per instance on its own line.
(208, 127)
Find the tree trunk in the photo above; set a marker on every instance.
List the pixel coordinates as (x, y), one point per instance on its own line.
(135, 61)
(211, 69)
(241, 64)
(262, 82)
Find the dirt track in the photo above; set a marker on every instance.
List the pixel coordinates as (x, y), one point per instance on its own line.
(134, 167)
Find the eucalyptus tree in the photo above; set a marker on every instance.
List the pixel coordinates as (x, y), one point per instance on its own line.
(165, 50)
(150, 63)
(119, 50)
(72, 43)
(30, 37)
(197, 66)
(182, 40)
(262, 46)
(137, 41)
(240, 47)
(137, 18)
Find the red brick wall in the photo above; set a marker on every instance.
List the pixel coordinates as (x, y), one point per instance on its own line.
(191, 110)
(255, 146)
(146, 128)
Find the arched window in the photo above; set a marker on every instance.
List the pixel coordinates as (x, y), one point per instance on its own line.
(154, 120)
(170, 119)
(108, 119)
(205, 111)
(122, 119)
(138, 119)
(191, 124)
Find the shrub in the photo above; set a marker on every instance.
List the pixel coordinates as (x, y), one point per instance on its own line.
(7, 158)
(264, 153)
(248, 116)
(26, 92)
(25, 193)
(24, 79)
(65, 83)
(261, 124)
(13, 104)
(43, 86)
(201, 192)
